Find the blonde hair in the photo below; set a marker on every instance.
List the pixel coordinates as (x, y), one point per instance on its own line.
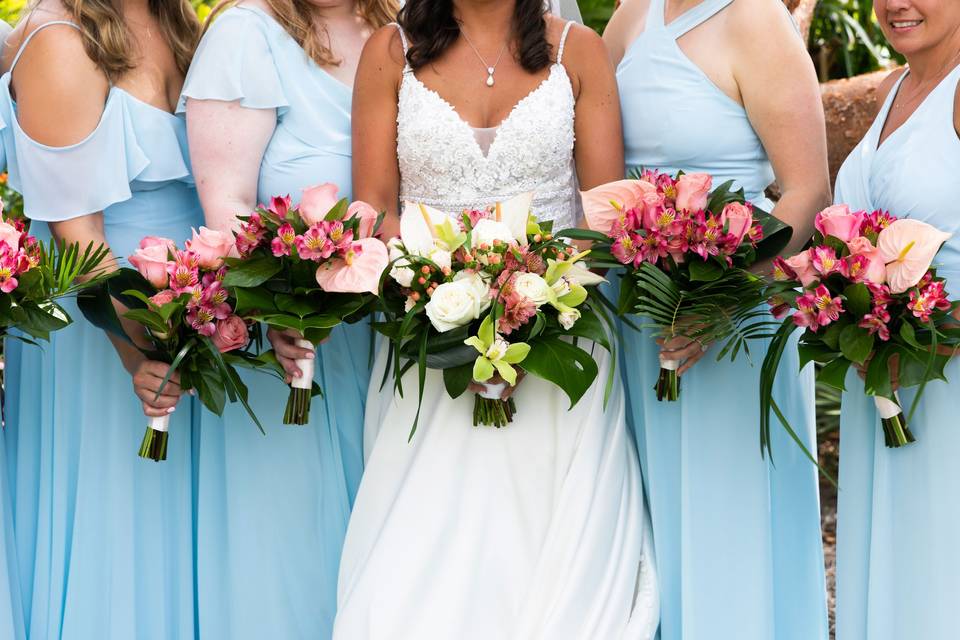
(297, 19)
(109, 43)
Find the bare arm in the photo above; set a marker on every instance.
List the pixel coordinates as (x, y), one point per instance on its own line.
(376, 174)
(782, 99)
(60, 100)
(628, 22)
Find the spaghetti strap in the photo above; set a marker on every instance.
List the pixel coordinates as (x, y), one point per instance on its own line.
(563, 41)
(27, 40)
(695, 17)
(406, 45)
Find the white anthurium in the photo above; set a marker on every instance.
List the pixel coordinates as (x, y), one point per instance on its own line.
(908, 247)
(418, 224)
(487, 230)
(580, 274)
(514, 213)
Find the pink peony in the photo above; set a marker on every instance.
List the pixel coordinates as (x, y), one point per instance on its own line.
(210, 246)
(231, 334)
(359, 269)
(876, 270)
(367, 216)
(738, 218)
(693, 190)
(152, 260)
(839, 222)
(316, 202)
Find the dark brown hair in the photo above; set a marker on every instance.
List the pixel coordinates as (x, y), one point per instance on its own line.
(431, 28)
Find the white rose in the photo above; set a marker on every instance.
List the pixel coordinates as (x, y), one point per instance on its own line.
(568, 319)
(580, 274)
(487, 230)
(532, 287)
(452, 305)
(441, 258)
(480, 287)
(400, 271)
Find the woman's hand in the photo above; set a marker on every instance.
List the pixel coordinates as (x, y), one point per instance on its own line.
(682, 349)
(480, 387)
(147, 378)
(288, 351)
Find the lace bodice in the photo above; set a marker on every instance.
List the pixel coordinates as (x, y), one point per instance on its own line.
(443, 165)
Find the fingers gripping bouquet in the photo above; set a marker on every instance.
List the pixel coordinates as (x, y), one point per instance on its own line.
(33, 276)
(865, 294)
(308, 268)
(178, 296)
(486, 296)
(686, 249)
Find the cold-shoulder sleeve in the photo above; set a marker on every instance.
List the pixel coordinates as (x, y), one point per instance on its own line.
(235, 62)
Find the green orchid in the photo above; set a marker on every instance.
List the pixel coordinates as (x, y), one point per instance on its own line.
(496, 354)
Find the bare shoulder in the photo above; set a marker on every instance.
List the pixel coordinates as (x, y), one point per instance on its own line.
(626, 24)
(384, 49)
(956, 109)
(60, 91)
(767, 20)
(887, 84)
(583, 47)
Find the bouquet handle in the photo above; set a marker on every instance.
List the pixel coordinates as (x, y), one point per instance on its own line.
(154, 445)
(896, 433)
(490, 409)
(668, 383)
(298, 403)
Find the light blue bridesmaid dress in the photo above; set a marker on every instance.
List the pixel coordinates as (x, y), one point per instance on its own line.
(11, 603)
(104, 538)
(273, 510)
(738, 539)
(898, 525)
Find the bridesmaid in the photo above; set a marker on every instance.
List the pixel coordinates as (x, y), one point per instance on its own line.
(268, 102)
(726, 87)
(898, 564)
(104, 539)
(11, 603)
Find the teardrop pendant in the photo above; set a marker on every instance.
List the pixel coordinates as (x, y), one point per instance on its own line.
(490, 80)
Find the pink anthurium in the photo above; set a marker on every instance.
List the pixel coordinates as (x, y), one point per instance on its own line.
(603, 205)
(908, 248)
(357, 271)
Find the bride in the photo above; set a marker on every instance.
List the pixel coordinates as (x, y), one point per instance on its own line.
(537, 530)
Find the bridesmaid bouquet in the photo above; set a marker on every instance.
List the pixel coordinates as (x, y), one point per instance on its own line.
(687, 250)
(190, 321)
(33, 276)
(307, 268)
(863, 293)
(485, 296)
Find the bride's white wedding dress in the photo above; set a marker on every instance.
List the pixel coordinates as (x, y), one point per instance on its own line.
(534, 531)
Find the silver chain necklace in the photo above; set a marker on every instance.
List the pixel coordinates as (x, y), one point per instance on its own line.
(488, 68)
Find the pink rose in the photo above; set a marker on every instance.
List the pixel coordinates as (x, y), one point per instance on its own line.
(839, 222)
(692, 191)
(876, 271)
(739, 218)
(367, 216)
(152, 259)
(316, 202)
(231, 334)
(210, 247)
(653, 202)
(10, 235)
(802, 265)
(164, 297)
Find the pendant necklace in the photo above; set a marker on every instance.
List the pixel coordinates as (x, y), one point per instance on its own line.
(489, 69)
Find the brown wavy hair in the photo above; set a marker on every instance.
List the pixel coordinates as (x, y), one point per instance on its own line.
(432, 28)
(109, 43)
(297, 18)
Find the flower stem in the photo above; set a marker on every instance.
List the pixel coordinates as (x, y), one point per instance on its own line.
(896, 433)
(668, 385)
(298, 407)
(493, 412)
(154, 445)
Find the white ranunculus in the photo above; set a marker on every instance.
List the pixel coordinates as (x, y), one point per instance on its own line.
(568, 319)
(452, 305)
(580, 274)
(487, 230)
(480, 286)
(532, 287)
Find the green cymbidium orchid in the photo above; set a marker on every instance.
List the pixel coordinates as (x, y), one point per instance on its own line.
(496, 354)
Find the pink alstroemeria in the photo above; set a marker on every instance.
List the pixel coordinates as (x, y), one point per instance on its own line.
(855, 267)
(340, 237)
(9, 268)
(876, 324)
(625, 249)
(285, 240)
(251, 235)
(828, 307)
(931, 298)
(184, 272)
(202, 319)
(782, 271)
(807, 315)
(280, 205)
(357, 270)
(825, 260)
(314, 244)
(874, 223)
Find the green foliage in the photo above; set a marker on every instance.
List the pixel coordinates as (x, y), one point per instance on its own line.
(596, 13)
(10, 10)
(845, 40)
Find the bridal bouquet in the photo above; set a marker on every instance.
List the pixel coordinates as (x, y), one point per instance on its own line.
(308, 268)
(687, 250)
(485, 296)
(33, 276)
(864, 293)
(179, 298)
